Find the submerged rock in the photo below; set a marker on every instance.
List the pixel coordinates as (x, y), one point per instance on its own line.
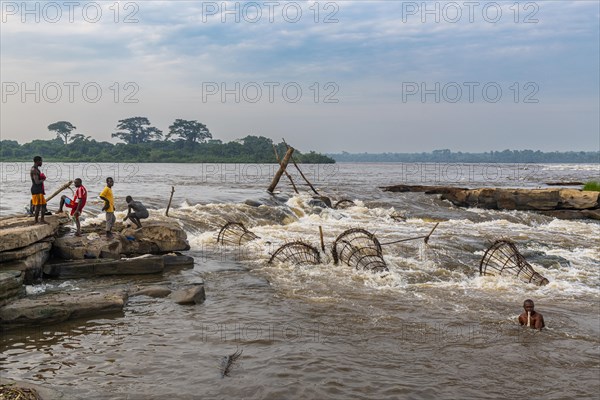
(151, 291)
(192, 294)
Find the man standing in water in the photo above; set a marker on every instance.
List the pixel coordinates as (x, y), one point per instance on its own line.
(109, 206)
(530, 317)
(37, 190)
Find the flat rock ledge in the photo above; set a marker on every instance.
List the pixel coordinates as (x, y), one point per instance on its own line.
(142, 265)
(58, 307)
(559, 203)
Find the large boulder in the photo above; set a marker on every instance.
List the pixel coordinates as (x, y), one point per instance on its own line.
(57, 307)
(167, 236)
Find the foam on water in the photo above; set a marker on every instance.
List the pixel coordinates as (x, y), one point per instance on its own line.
(412, 264)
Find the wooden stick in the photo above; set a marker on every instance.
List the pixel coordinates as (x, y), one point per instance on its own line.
(60, 189)
(170, 198)
(302, 175)
(426, 237)
(285, 171)
(282, 167)
(322, 241)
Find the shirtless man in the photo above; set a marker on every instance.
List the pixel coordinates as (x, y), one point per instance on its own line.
(530, 317)
(139, 211)
(37, 190)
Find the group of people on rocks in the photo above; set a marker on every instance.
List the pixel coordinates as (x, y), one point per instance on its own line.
(136, 211)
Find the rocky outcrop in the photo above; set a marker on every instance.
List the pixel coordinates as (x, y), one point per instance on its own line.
(19, 232)
(29, 252)
(578, 203)
(152, 238)
(26, 247)
(58, 307)
(167, 237)
(11, 286)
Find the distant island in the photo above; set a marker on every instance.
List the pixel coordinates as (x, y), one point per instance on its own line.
(447, 156)
(187, 141)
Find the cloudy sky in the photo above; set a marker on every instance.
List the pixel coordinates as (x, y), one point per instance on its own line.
(356, 76)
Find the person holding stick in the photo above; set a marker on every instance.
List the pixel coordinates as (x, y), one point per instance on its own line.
(76, 204)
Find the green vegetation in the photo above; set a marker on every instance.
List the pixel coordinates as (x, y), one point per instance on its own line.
(186, 142)
(506, 156)
(251, 149)
(592, 186)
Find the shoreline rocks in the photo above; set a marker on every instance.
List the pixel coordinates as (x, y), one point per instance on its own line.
(30, 252)
(557, 202)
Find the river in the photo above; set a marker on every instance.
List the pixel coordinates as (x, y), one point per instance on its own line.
(429, 328)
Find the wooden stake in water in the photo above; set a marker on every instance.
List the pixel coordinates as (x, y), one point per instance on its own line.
(170, 198)
(282, 167)
(322, 241)
(529, 318)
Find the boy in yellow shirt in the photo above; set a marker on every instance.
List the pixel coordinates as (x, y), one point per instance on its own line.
(109, 206)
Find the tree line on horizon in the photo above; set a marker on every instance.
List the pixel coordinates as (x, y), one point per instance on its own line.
(447, 156)
(186, 141)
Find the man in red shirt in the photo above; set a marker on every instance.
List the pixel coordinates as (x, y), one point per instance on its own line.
(76, 205)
